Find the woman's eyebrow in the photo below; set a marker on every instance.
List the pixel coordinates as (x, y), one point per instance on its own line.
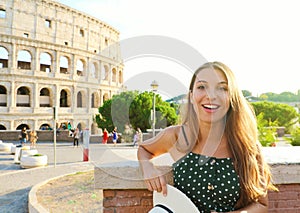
(201, 81)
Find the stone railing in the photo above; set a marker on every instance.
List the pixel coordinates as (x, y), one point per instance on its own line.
(124, 189)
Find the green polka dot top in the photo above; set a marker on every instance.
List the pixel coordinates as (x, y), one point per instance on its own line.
(211, 183)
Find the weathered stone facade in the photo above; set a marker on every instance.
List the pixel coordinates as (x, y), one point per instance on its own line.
(54, 56)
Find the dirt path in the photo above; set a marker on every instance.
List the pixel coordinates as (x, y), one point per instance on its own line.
(72, 193)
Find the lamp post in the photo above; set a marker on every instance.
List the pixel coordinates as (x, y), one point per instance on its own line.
(154, 86)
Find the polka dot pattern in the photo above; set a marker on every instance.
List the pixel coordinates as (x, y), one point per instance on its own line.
(211, 183)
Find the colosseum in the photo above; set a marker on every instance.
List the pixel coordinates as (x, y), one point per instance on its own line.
(54, 58)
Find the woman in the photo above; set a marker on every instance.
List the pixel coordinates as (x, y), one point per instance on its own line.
(23, 136)
(115, 136)
(76, 137)
(218, 161)
(33, 138)
(105, 136)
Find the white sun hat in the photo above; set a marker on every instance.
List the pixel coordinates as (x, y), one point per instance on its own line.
(175, 202)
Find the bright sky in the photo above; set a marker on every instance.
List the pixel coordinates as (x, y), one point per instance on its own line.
(258, 39)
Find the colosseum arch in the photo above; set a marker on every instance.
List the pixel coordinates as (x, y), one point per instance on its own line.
(65, 98)
(120, 77)
(46, 97)
(3, 57)
(105, 97)
(23, 97)
(95, 101)
(64, 64)
(93, 70)
(45, 126)
(114, 75)
(94, 128)
(81, 125)
(2, 127)
(3, 96)
(81, 99)
(24, 60)
(105, 72)
(45, 62)
(80, 67)
(21, 126)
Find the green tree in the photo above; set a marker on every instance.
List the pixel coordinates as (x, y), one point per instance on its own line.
(284, 114)
(103, 119)
(246, 93)
(134, 109)
(266, 130)
(140, 110)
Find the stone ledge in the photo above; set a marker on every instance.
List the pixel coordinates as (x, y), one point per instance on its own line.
(124, 175)
(127, 175)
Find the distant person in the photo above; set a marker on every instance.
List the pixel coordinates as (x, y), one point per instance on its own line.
(76, 136)
(140, 137)
(23, 136)
(33, 138)
(105, 136)
(70, 129)
(115, 136)
(135, 138)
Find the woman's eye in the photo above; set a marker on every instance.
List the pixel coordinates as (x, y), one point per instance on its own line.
(223, 88)
(201, 87)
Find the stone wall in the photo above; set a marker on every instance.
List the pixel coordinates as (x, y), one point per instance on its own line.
(124, 189)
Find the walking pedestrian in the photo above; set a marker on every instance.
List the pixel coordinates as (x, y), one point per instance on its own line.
(105, 136)
(33, 138)
(115, 136)
(76, 137)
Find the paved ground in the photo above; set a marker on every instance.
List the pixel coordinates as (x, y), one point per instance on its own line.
(15, 183)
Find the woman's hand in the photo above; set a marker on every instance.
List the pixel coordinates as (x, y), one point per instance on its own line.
(157, 183)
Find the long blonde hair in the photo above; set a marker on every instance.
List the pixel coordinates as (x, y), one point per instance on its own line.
(241, 134)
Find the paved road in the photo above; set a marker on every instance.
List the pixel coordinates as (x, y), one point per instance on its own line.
(15, 183)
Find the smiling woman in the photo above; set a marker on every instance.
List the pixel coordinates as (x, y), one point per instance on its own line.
(218, 162)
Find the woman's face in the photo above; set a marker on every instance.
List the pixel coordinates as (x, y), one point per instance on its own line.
(210, 96)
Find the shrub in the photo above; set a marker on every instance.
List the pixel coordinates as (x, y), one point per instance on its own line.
(295, 137)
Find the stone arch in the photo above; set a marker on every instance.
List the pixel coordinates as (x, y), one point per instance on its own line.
(114, 75)
(80, 67)
(45, 97)
(3, 96)
(64, 64)
(2, 127)
(23, 97)
(95, 102)
(105, 97)
(94, 128)
(105, 72)
(93, 70)
(45, 126)
(24, 60)
(120, 77)
(81, 101)
(81, 125)
(3, 57)
(45, 62)
(65, 98)
(22, 125)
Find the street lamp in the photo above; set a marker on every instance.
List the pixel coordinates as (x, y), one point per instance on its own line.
(154, 86)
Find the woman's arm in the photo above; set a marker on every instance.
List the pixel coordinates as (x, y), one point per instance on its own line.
(154, 147)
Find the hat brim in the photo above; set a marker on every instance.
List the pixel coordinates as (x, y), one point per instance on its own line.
(175, 202)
